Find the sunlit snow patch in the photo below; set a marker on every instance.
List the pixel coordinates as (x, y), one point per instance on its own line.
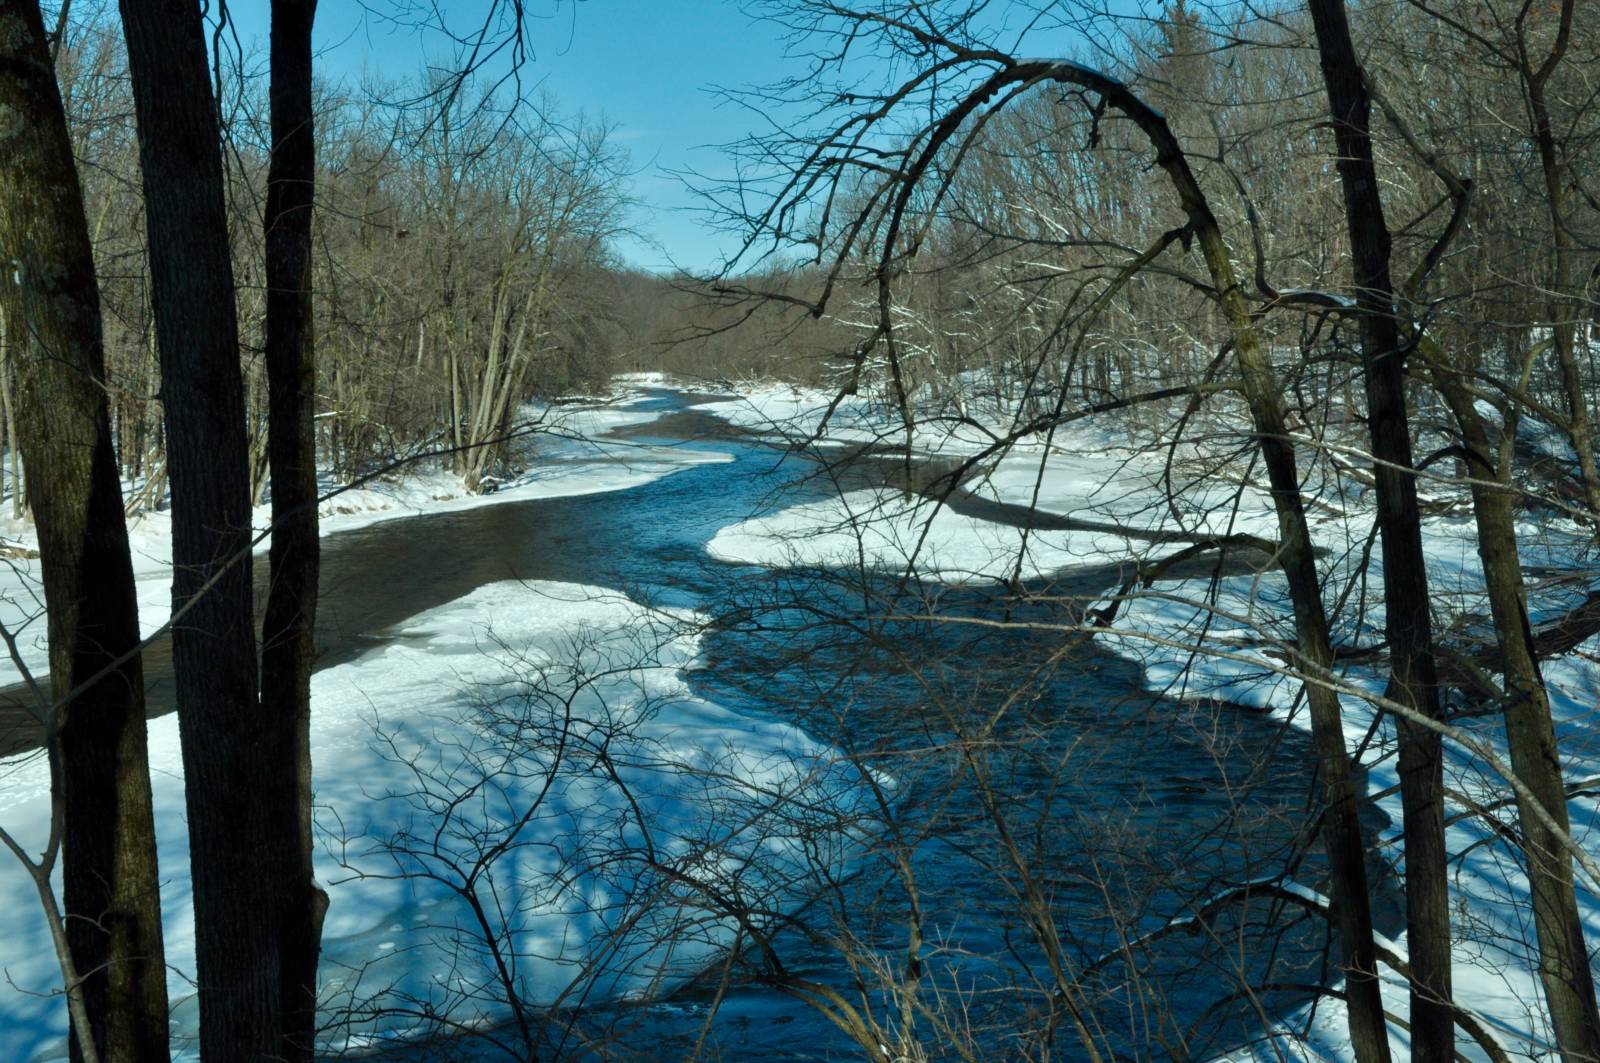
(632, 829)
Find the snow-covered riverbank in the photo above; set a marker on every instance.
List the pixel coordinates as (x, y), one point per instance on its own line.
(589, 686)
(570, 454)
(608, 782)
(566, 703)
(1213, 638)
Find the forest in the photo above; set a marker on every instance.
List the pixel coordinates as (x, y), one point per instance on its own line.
(1096, 561)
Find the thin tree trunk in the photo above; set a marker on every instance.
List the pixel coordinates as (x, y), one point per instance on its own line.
(1563, 957)
(5, 408)
(1341, 825)
(457, 458)
(110, 878)
(287, 651)
(1314, 656)
(483, 395)
(501, 397)
(1562, 308)
(231, 780)
(8, 375)
(256, 444)
(152, 426)
(1413, 676)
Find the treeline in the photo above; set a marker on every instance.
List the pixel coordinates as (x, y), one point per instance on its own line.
(1008, 285)
(1008, 265)
(462, 260)
(1345, 252)
(463, 264)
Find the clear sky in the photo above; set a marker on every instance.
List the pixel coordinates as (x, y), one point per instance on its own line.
(650, 68)
(646, 66)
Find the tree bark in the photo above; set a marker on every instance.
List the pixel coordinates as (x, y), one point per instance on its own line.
(1563, 309)
(1413, 676)
(232, 779)
(1564, 968)
(287, 651)
(110, 877)
(1313, 652)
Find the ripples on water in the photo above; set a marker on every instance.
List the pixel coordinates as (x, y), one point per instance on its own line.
(1126, 810)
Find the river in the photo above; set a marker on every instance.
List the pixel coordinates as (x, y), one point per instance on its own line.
(1125, 808)
(1120, 801)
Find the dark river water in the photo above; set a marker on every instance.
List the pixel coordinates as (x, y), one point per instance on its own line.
(1126, 809)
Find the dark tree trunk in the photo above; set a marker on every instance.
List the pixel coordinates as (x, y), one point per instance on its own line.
(1563, 309)
(1341, 828)
(232, 777)
(1341, 825)
(1563, 957)
(1314, 656)
(111, 885)
(1413, 678)
(287, 652)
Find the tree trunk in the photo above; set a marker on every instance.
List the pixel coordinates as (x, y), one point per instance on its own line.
(458, 457)
(1563, 958)
(287, 651)
(1341, 828)
(232, 780)
(110, 878)
(1314, 656)
(1562, 307)
(8, 375)
(5, 404)
(1413, 677)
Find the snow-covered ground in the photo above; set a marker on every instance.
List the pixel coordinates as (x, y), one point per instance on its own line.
(708, 778)
(618, 793)
(1085, 472)
(1091, 473)
(569, 455)
(625, 804)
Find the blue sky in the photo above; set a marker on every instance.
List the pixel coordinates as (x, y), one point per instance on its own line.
(646, 66)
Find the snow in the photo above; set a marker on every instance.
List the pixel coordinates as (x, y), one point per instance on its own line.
(694, 763)
(1113, 490)
(1087, 471)
(572, 453)
(1495, 974)
(886, 529)
(650, 780)
(482, 690)
(796, 412)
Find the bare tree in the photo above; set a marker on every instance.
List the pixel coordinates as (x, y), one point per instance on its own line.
(232, 790)
(903, 183)
(288, 650)
(94, 723)
(1409, 622)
